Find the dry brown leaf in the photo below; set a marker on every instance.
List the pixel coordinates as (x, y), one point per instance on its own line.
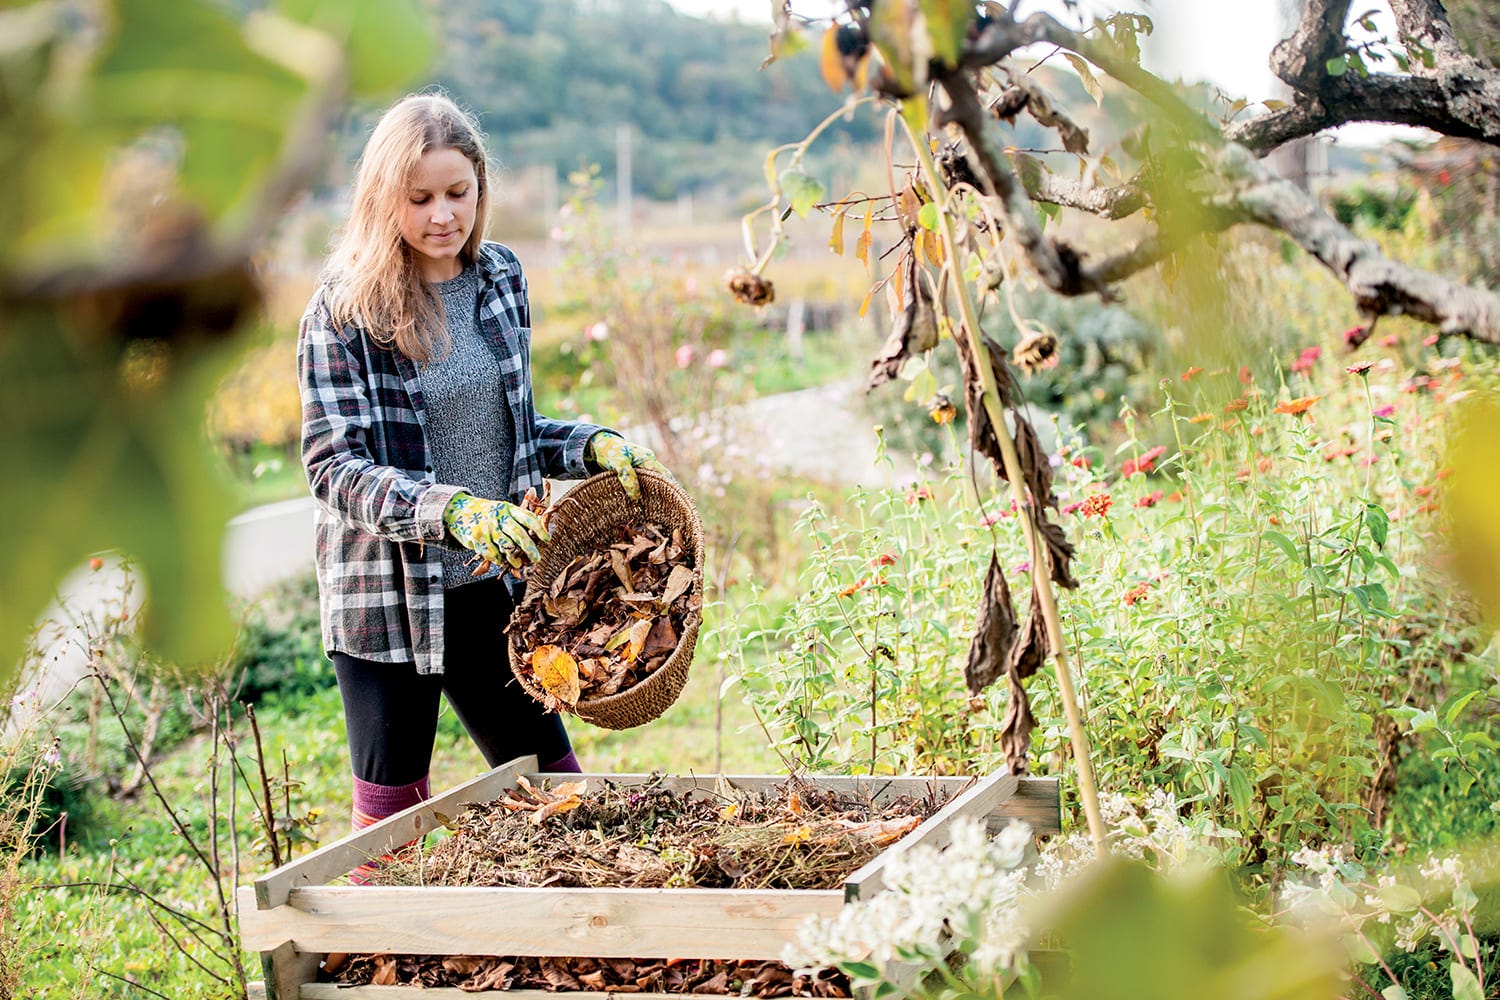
(554, 808)
(678, 582)
(638, 633)
(557, 672)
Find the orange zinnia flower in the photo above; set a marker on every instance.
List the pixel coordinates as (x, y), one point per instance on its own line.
(1298, 406)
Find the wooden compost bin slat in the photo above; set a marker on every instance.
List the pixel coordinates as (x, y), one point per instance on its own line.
(594, 923)
(292, 918)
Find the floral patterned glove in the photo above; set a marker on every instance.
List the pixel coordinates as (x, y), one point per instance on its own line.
(614, 453)
(500, 532)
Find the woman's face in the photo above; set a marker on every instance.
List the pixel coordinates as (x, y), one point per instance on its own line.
(438, 213)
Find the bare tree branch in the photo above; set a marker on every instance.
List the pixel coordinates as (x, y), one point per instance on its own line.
(1380, 285)
(1108, 202)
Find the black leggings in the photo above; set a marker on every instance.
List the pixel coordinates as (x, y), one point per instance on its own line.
(391, 711)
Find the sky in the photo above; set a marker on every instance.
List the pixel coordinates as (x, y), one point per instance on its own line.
(1212, 41)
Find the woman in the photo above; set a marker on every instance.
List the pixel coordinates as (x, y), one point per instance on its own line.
(419, 441)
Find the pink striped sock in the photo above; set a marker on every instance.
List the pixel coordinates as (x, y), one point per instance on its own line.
(373, 803)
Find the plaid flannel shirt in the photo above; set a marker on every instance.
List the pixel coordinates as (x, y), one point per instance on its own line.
(379, 520)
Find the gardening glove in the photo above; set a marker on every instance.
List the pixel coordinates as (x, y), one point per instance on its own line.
(500, 532)
(614, 453)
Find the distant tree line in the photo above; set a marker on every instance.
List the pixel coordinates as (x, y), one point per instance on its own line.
(552, 81)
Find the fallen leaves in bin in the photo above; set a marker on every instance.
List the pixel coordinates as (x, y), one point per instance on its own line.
(611, 618)
(477, 973)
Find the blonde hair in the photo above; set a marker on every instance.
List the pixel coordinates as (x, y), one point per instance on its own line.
(372, 274)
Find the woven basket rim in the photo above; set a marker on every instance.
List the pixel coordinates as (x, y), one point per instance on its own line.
(614, 711)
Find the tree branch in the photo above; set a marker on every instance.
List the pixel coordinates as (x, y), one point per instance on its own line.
(1457, 96)
(1108, 202)
(1301, 59)
(1380, 285)
(1055, 264)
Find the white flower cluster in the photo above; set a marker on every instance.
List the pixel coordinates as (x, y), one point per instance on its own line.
(934, 900)
(1434, 906)
(973, 896)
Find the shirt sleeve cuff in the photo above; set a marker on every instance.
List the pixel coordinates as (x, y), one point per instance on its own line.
(430, 507)
(577, 444)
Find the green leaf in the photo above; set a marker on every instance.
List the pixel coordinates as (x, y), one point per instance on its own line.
(947, 26)
(802, 190)
(1285, 544)
(389, 43)
(1465, 986)
(1400, 898)
(1086, 77)
(864, 972)
(1456, 707)
(1240, 791)
(927, 216)
(110, 464)
(1338, 65)
(1377, 523)
(1188, 938)
(1395, 991)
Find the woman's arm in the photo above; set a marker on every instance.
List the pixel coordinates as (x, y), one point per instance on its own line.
(336, 420)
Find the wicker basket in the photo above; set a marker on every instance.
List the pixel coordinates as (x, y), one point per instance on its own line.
(587, 514)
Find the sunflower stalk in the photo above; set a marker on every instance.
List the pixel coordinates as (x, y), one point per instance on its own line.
(1046, 597)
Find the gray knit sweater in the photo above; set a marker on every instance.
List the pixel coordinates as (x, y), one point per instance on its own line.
(469, 425)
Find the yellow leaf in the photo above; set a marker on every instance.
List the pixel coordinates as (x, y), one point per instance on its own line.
(557, 672)
(836, 237)
(800, 835)
(862, 245)
(832, 62)
(1473, 515)
(729, 811)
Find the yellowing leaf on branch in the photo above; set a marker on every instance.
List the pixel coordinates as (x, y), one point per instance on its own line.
(836, 236)
(831, 61)
(557, 672)
(862, 245)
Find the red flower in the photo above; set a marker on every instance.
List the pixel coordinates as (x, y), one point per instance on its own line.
(1386, 410)
(1149, 500)
(1245, 377)
(1082, 462)
(920, 493)
(1430, 341)
(1307, 359)
(1071, 507)
(1137, 593)
(1176, 496)
(1355, 336)
(1362, 368)
(1422, 491)
(884, 559)
(1200, 418)
(1146, 463)
(1237, 405)
(1192, 370)
(1389, 341)
(1097, 505)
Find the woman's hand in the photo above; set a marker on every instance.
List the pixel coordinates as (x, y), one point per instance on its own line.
(615, 454)
(500, 532)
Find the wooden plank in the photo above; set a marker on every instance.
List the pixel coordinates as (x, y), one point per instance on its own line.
(333, 991)
(286, 971)
(600, 923)
(1036, 801)
(345, 855)
(979, 801)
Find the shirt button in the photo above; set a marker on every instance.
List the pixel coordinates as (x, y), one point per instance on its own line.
(432, 579)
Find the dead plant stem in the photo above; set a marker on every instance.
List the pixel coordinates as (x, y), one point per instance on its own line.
(1041, 579)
